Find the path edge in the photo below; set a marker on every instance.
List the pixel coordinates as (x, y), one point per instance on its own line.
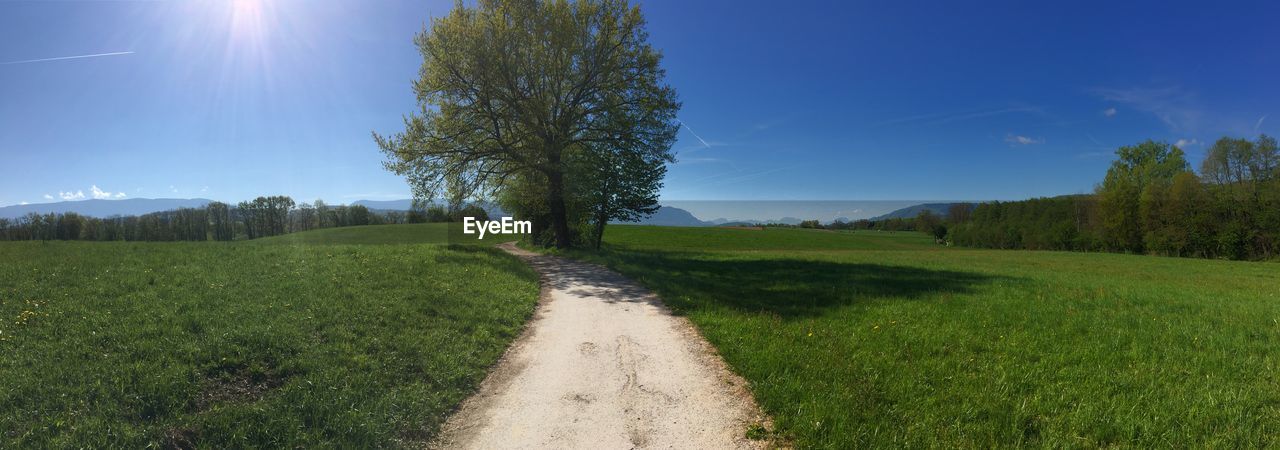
(464, 417)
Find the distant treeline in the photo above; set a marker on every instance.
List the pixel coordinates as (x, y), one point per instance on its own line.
(927, 221)
(217, 221)
(1151, 202)
(893, 224)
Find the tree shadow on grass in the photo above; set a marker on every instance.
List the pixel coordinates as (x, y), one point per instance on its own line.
(786, 287)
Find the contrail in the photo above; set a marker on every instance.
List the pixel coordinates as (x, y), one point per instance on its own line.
(60, 58)
(695, 134)
(1259, 124)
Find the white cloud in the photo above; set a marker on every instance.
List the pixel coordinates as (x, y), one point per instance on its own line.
(1185, 143)
(1022, 140)
(68, 196)
(1109, 112)
(173, 189)
(204, 189)
(1174, 106)
(94, 192)
(23, 203)
(101, 194)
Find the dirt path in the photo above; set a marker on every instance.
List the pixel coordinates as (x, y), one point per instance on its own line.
(603, 364)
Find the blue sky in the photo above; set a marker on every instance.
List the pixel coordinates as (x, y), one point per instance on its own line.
(807, 100)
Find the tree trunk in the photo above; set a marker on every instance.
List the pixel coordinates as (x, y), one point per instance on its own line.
(599, 231)
(559, 216)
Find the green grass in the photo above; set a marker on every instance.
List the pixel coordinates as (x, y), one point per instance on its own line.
(422, 233)
(670, 239)
(873, 339)
(284, 342)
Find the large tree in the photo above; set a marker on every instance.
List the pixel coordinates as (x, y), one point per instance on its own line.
(509, 90)
(1136, 169)
(224, 229)
(1240, 161)
(1245, 178)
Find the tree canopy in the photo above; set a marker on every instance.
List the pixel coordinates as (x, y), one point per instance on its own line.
(512, 93)
(1137, 170)
(1151, 202)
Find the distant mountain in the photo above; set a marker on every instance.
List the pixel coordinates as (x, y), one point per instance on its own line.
(406, 204)
(391, 205)
(751, 222)
(104, 208)
(139, 206)
(911, 212)
(665, 216)
(747, 222)
(671, 217)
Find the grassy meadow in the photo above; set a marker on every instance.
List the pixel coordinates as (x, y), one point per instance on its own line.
(422, 233)
(317, 339)
(873, 339)
(370, 336)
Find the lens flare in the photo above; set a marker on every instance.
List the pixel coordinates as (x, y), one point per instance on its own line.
(246, 20)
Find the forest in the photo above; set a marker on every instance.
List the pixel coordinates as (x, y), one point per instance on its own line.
(1150, 202)
(217, 221)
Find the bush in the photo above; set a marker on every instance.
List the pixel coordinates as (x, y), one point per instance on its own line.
(474, 211)
(436, 214)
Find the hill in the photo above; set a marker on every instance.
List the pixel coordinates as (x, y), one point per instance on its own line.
(387, 205)
(383, 206)
(911, 212)
(665, 216)
(104, 208)
(671, 217)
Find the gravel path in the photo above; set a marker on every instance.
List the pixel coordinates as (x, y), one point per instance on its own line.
(603, 364)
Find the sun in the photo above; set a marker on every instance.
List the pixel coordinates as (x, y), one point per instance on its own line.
(247, 21)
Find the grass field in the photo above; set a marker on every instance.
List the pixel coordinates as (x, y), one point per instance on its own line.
(285, 342)
(369, 336)
(424, 233)
(887, 340)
